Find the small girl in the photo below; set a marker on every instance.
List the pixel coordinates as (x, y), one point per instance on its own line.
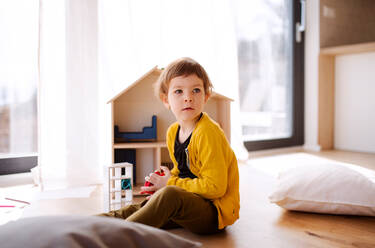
(201, 192)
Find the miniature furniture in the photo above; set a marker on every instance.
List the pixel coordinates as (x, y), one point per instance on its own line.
(120, 185)
(148, 133)
(131, 111)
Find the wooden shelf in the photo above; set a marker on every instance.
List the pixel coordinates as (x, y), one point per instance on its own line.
(326, 99)
(348, 49)
(121, 165)
(116, 190)
(135, 145)
(119, 178)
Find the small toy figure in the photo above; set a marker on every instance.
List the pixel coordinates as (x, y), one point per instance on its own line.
(148, 184)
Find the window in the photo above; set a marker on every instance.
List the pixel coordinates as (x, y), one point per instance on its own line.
(270, 73)
(18, 85)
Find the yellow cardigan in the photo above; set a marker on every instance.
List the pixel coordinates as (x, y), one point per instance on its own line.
(212, 160)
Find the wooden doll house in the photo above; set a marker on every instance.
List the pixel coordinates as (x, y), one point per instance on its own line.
(133, 110)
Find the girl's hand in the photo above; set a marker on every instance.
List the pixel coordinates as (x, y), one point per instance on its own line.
(157, 181)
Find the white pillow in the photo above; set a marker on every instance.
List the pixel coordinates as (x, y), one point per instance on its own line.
(334, 188)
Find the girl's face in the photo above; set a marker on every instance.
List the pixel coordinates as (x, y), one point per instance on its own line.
(186, 97)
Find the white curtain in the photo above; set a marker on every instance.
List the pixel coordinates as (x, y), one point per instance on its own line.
(68, 94)
(136, 35)
(90, 50)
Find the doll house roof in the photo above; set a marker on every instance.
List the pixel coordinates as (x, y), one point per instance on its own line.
(155, 73)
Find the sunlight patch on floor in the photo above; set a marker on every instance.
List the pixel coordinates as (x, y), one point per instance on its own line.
(273, 165)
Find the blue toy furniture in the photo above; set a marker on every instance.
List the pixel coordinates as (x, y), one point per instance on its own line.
(148, 134)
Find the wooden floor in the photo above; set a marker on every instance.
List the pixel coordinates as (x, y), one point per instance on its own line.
(261, 223)
(363, 159)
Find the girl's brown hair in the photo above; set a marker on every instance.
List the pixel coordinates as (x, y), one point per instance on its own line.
(181, 67)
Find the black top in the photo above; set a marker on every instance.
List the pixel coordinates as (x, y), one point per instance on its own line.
(181, 154)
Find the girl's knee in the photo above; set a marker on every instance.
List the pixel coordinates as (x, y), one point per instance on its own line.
(169, 192)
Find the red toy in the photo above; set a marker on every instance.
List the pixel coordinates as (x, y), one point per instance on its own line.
(148, 184)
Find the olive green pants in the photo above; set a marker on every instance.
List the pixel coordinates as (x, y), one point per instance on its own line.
(172, 207)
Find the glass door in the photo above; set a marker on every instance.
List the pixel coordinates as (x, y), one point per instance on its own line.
(270, 58)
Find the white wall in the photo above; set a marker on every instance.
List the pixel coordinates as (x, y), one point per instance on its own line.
(355, 102)
(311, 75)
